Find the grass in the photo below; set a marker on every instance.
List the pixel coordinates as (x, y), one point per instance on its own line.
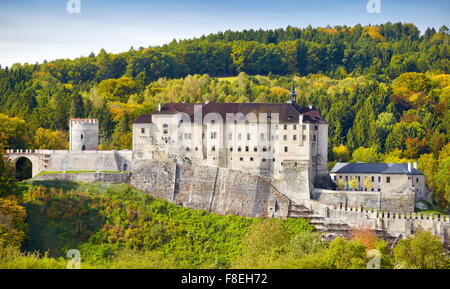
(76, 172)
(432, 209)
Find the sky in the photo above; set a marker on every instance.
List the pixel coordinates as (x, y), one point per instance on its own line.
(37, 30)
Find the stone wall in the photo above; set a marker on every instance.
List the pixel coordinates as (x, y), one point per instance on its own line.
(111, 178)
(218, 190)
(392, 202)
(390, 224)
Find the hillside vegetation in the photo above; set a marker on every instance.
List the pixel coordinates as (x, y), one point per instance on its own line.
(117, 226)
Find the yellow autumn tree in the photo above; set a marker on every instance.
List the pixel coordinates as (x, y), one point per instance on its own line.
(341, 184)
(49, 139)
(368, 183)
(353, 183)
(341, 153)
(12, 222)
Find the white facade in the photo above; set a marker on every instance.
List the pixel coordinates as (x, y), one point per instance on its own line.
(261, 144)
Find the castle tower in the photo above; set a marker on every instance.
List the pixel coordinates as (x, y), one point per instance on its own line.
(292, 95)
(83, 134)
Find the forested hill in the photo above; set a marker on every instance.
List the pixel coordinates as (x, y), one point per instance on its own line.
(384, 89)
(387, 49)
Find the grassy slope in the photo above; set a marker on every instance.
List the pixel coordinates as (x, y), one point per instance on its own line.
(119, 226)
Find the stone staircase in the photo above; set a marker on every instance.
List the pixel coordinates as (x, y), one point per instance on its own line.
(330, 228)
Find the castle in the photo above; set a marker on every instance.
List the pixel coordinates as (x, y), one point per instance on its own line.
(247, 159)
(258, 138)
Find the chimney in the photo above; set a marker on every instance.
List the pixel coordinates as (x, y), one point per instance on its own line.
(159, 106)
(415, 165)
(310, 106)
(409, 168)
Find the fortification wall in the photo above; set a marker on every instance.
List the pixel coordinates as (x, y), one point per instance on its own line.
(63, 160)
(391, 224)
(110, 178)
(218, 190)
(392, 202)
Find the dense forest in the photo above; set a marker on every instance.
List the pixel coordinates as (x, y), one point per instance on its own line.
(385, 89)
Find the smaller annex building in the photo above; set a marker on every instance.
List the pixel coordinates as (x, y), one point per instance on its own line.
(378, 177)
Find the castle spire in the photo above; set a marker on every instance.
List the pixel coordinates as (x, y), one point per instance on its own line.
(292, 95)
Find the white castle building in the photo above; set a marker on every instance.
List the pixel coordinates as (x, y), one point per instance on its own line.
(259, 138)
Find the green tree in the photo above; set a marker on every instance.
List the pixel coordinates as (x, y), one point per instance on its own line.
(421, 251)
(365, 155)
(7, 180)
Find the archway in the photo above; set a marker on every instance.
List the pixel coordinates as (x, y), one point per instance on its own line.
(24, 169)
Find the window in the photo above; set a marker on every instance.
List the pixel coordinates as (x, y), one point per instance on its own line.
(241, 159)
(304, 127)
(264, 149)
(285, 137)
(142, 130)
(196, 149)
(314, 138)
(294, 137)
(334, 177)
(251, 159)
(295, 127)
(417, 180)
(239, 136)
(213, 135)
(239, 149)
(213, 122)
(82, 136)
(379, 179)
(262, 136)
(249, 136)
(273, 160)
(285, 149)
(304, 138)
(188, 149)
(231, 149)
(285, 126)
(165, 128)
(230, 136)
(373, 179)
(213, 148)
(316, 127)
(255, 149)
(388, 180)
(264, 160)
(247, 149)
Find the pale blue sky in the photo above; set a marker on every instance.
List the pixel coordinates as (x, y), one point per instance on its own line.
(34, 30)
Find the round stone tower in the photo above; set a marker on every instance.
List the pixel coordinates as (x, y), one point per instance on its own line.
(83, 134)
